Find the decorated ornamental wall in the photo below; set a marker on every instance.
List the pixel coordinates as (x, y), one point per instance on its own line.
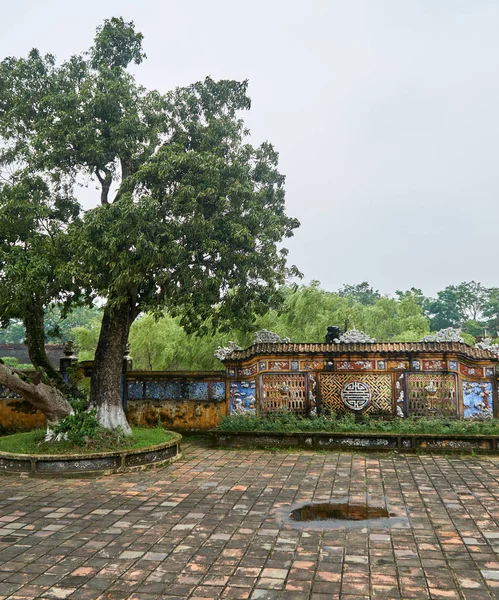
(425, 379)
(433, 379)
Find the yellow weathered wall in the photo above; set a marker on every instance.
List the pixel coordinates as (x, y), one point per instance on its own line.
(19, 415)
(175, 414)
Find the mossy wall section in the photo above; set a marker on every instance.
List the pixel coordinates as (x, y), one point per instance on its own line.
(178, 415)
(182, 415)
(18, 415)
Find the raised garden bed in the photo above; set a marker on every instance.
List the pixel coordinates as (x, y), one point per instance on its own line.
(407, 442)
(94, 463)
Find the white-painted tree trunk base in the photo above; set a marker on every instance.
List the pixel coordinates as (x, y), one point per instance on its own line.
(112, 417)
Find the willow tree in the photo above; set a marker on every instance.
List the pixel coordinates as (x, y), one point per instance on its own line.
(189, 215)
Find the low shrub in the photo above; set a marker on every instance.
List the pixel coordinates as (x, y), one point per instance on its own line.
(331, 423)
(80, 428)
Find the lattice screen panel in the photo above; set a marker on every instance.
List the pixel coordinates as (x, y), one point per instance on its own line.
(432, 394)
(380, 387)
(284, 392)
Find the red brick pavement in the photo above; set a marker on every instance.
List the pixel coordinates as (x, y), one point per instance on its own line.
(205, 528)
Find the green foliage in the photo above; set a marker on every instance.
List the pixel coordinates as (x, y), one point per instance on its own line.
(362, 293)
(33, 442)
(81, 426)
(162, 344)
(191, 215)
(60, 325)
(200, 217)
(86, 337)
(117, 44)
(159, 342)
(289, 422)
(32, 243)
(13, 363)
(403, 320)
(464, 306)
(491, 313)
(12, 333)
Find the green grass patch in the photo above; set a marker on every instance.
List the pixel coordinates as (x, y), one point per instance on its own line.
(289, 422)
(32, 442)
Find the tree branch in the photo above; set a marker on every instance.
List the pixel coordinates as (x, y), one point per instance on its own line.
(46, 398)
(105, 182)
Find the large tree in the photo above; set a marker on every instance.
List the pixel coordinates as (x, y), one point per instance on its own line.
(190, 215)
(457, 305)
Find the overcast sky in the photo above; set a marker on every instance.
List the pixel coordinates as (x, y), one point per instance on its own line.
(384, 112)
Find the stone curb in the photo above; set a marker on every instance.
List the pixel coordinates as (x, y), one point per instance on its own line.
(408, 442)
(96, 463)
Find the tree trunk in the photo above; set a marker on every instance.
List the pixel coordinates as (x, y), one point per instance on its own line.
(108, 366)
(35, 340)
(46, 398)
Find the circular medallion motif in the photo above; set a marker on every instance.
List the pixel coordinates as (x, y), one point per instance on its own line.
(356, 395)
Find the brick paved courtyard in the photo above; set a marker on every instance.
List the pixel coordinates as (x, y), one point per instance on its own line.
(204, 528)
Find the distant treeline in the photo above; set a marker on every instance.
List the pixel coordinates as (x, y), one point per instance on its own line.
(162, 344)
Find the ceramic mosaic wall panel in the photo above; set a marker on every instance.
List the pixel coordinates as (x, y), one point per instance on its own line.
(218, 390)
(197, 390)
(312, 395)
(368, 393)
(478, 400)
(248, 371)
(284, 392)
(242, 397)
(135, 390)
(434, 365)
(400, 395)
(471, 371)
(176, 390)
(398, 365)
(160, 390)
(355, 365)
(311, 365)
(432, 394)
(278, 365)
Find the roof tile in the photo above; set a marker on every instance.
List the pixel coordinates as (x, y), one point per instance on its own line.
(459, 348)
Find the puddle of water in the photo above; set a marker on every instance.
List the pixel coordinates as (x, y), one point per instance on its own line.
(344, 512)
(337, 515)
